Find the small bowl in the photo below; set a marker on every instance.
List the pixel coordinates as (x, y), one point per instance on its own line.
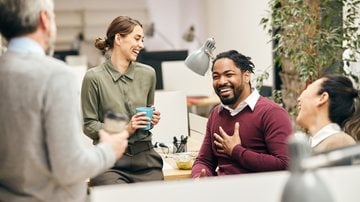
(184, 161)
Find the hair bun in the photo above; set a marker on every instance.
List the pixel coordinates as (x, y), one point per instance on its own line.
(100, 44)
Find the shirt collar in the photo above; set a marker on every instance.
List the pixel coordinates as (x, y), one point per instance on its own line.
(250, 101)
(324, 133)
(117, 75)
(25, 45)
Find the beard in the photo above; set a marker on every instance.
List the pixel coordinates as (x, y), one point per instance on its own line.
(230, 100)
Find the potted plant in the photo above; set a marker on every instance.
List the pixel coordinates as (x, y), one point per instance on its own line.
(309, 38)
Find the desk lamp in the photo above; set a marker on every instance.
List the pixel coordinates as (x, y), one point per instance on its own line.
(304, 184)
(198, 61)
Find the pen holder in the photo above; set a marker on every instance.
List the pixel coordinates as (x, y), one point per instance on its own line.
(179, 147)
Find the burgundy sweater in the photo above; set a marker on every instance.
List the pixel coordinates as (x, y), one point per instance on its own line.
(264, 133)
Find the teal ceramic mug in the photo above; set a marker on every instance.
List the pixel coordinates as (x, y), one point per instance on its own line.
(149, 113)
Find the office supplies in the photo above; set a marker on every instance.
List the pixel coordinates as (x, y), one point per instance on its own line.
(180, 146)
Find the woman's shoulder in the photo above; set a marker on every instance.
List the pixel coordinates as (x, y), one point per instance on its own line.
(333, 142)
(94, 71)
(337, 140)
(342, 137)
(143, 67)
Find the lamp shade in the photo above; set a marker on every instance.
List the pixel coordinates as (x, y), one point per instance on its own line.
(306, 186)
(198, 61)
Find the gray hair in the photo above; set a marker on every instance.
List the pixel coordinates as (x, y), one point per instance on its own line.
(19, 17)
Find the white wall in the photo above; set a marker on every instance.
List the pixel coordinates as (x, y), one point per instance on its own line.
(174, 73)
(235, 25)
(172, 19)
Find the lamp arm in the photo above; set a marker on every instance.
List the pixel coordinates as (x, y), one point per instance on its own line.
(209, 47)
(209, 54)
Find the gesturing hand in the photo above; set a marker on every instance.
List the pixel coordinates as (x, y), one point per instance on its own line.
(226, 143)
(202, 174)
(118, 141)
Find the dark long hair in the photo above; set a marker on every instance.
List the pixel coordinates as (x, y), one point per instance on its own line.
(343, 97)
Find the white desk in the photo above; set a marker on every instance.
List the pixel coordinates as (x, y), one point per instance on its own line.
(343, 183)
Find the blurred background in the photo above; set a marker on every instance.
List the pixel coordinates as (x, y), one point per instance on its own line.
(176, 25)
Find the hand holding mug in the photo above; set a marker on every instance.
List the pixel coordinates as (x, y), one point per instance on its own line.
(141, 120)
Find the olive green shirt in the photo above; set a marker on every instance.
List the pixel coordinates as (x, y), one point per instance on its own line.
(105, 89)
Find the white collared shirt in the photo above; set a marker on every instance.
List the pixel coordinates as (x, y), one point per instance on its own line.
(25, 45)
(324, 133)
(250, 101)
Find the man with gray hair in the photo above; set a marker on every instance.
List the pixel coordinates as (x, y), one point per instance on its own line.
(43, 156)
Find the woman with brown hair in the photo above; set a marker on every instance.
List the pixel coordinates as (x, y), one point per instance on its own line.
(121, 85)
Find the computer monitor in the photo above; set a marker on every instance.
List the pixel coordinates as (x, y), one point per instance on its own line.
(155, 58)
(61, 54)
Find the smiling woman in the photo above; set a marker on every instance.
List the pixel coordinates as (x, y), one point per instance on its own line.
(121, 85)
(325, 107)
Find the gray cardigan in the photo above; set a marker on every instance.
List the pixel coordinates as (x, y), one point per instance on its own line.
(42, 154)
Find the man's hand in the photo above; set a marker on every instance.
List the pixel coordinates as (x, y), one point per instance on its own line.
(202, 174)
(225, 143)
(118, 141)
